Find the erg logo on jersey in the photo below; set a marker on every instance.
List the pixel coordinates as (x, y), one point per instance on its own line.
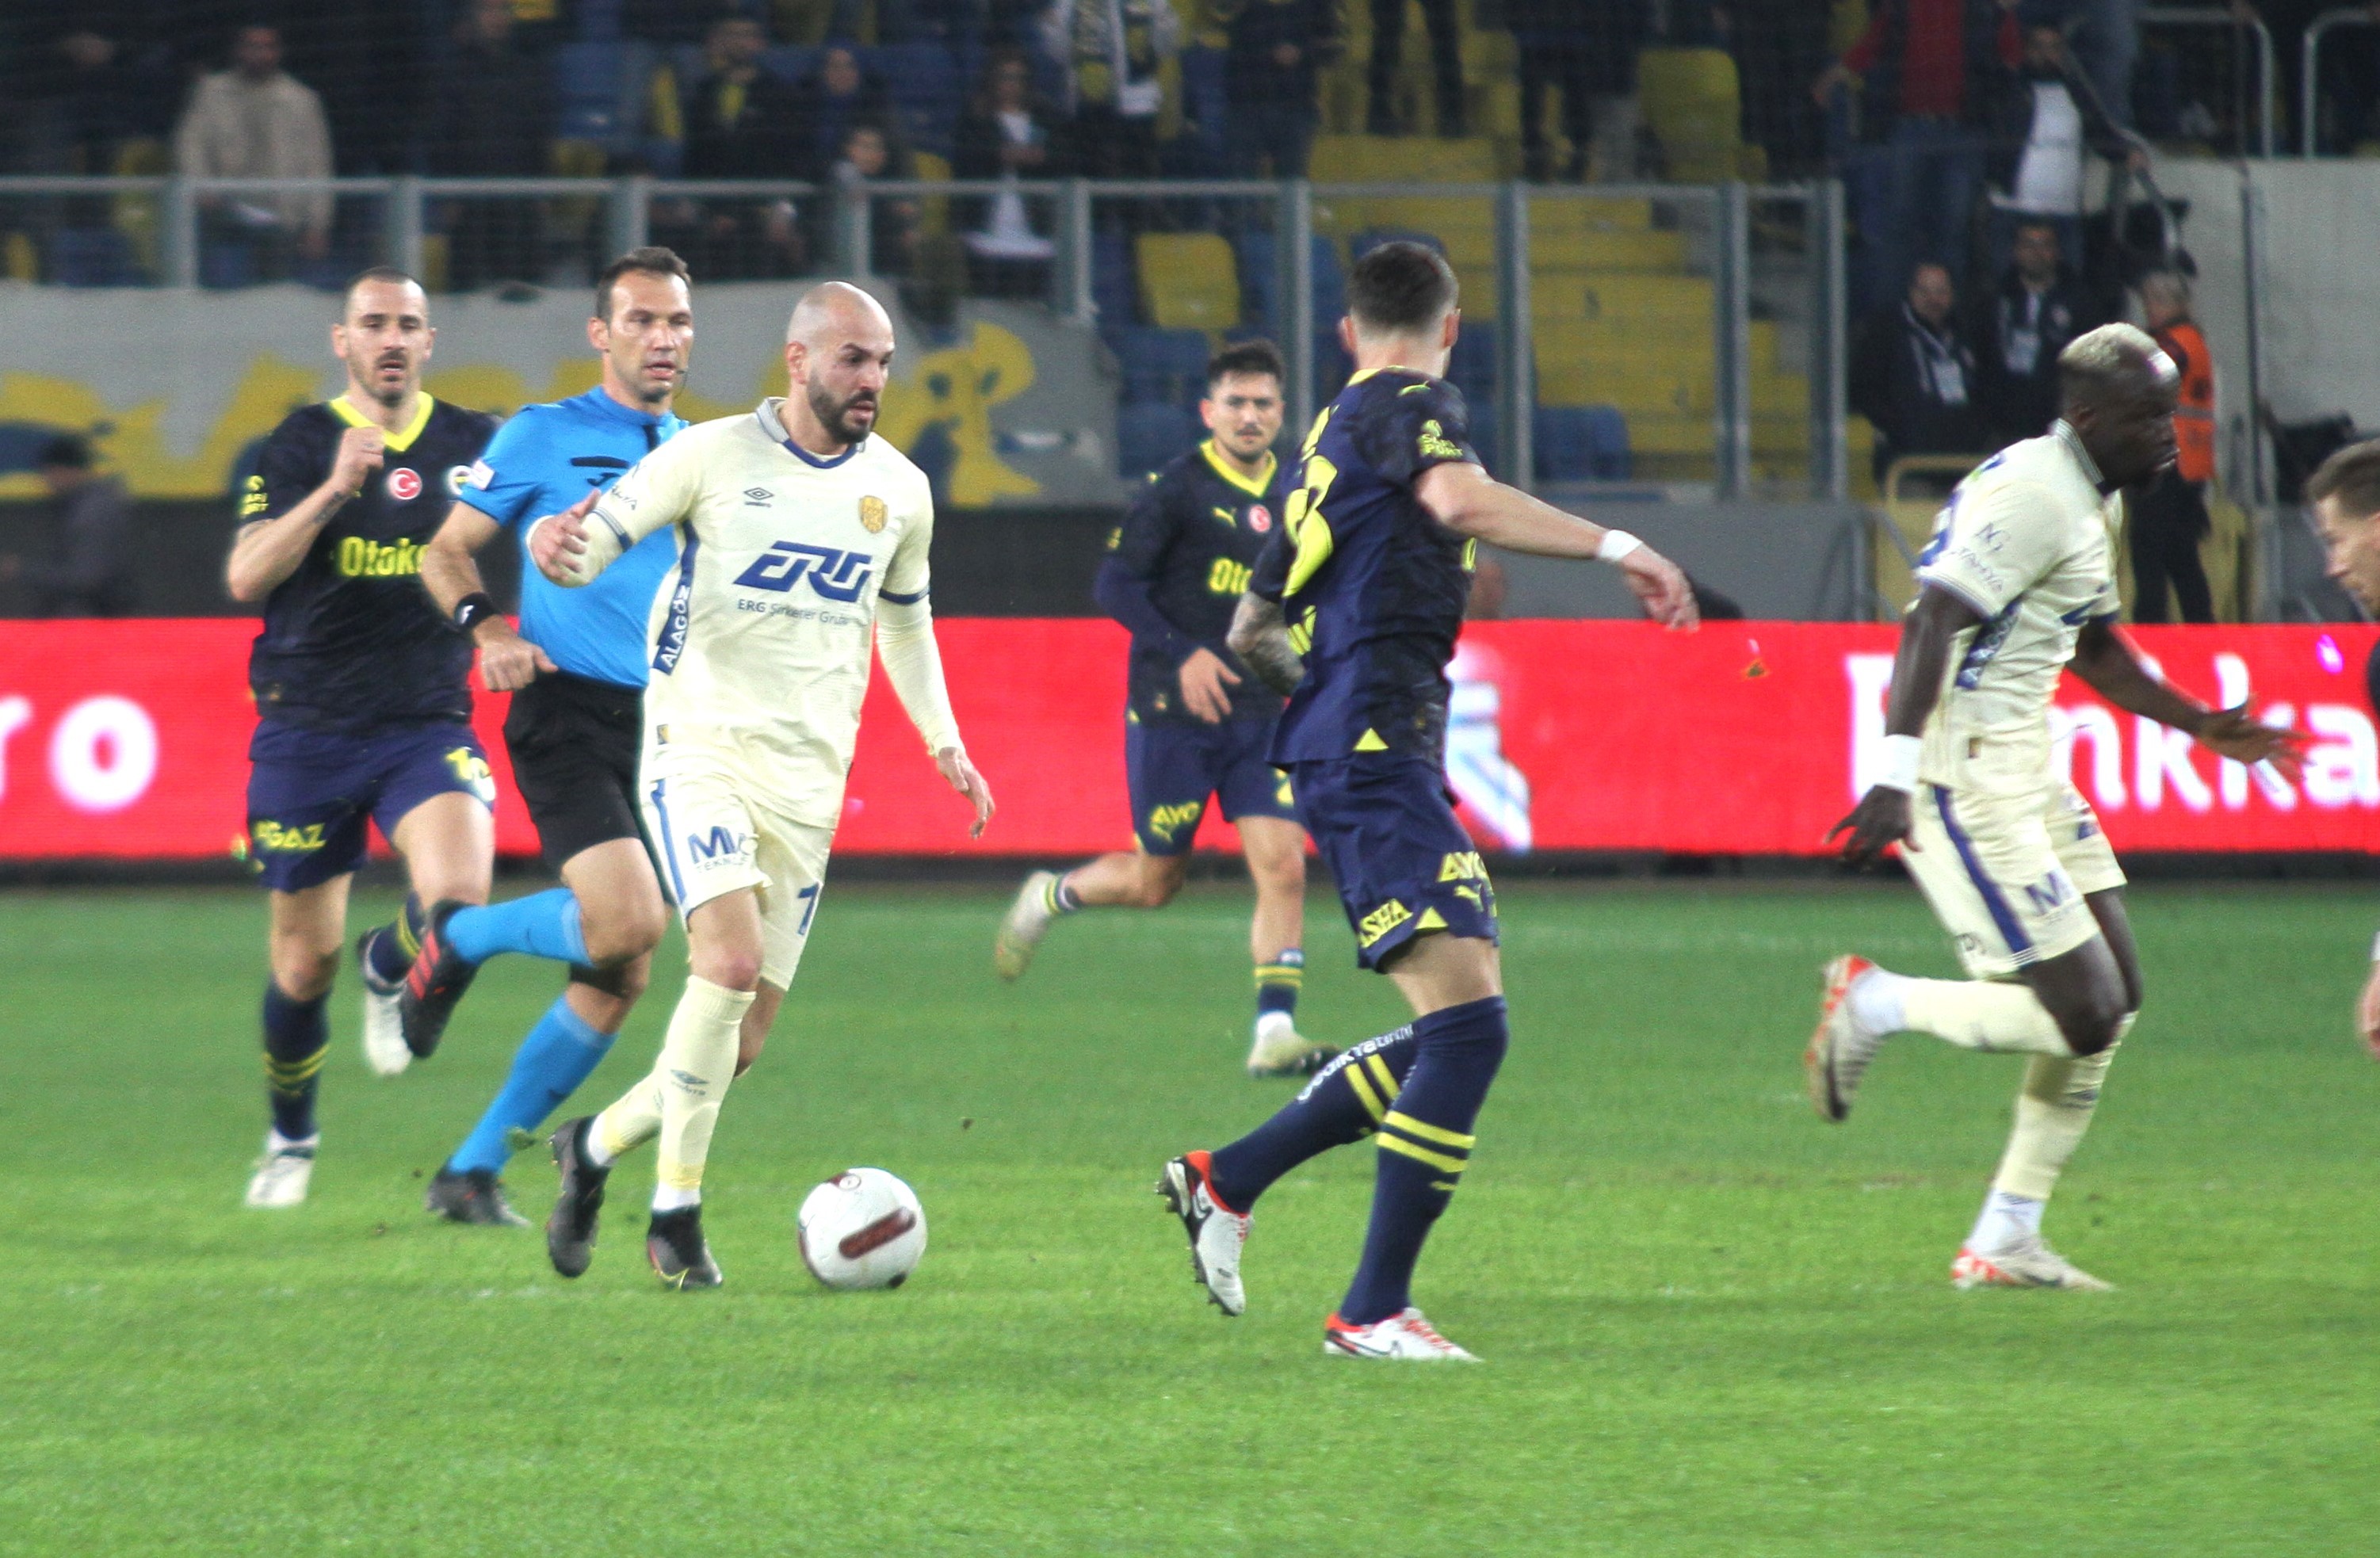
(834, 574)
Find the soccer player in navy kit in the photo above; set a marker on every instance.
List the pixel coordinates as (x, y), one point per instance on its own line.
(1196, 724)
(363, 713)
(2344, 495)
(1355, 605)
(576, 669)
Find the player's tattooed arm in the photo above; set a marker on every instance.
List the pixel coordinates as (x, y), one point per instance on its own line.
(1260, 636)
(2106, 662)
(1882, 817)
(266, 551)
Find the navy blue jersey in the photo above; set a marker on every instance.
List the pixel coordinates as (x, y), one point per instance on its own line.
(352, 641)
(1193, 536)
(1373, 587)
(544, 460)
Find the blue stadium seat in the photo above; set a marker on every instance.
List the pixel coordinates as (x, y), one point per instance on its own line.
(91, 257)
(1473, 366)
(1363, 243)
(1113, 292)
(1150, 432)
(226, 266)
(926, 90)
(1258, 278)
(1167, 365)
(1581, 444)
(1329, 284)
(1487, 434)
(590, 87)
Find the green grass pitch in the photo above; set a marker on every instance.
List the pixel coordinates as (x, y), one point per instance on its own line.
(1712, 1323)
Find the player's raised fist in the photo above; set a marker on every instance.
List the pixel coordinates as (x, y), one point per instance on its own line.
(558, 541)
(360, 450)
(1660, 585)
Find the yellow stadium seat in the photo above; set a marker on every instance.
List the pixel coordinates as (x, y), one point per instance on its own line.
(1572, 213)
(1188, 281)
(1692, 105)
(1638, 250)
(934, 210)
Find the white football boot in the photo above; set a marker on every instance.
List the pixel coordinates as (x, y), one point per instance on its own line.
(283, 1174)
(1216, 1233)
(1841, 1048)
(1280, 1051)
(2028, 1262)
(384, 1049)
(1028, 918)
(1406, 1335)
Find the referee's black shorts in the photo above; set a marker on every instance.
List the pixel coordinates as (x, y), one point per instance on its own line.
(575, 745)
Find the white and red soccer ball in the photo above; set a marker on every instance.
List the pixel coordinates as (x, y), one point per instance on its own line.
(863, 1228)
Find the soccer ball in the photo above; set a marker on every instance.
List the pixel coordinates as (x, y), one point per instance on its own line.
(863, 1228)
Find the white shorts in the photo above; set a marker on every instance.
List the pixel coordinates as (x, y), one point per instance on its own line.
(2007, 870)
(714, 841)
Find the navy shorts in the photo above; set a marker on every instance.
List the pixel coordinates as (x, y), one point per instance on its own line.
(1172, 767)
(309, 792)
(1386, 827)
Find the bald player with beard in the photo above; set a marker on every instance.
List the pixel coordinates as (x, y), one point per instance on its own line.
(802, 546)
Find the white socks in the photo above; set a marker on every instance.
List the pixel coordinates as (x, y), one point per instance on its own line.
(1979, 1015)
(678, 1100)
(2006, 1220)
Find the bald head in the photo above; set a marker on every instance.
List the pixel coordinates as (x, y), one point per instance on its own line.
(2119, 390)
(834, 310)
(838, 353)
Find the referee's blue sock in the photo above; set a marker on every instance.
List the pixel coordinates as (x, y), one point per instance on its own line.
(1425, 1143)
(1346, 1101)
(561, 1051)
(544, 925)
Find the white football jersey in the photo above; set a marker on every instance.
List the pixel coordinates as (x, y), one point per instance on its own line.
(2027, 541)
(760, 636)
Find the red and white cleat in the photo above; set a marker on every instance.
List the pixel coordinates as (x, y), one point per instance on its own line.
(1405, 1334)
(2031, 1263)
(1216, 1233)
(1839, 1049)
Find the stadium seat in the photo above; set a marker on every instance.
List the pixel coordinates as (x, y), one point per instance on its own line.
(1188, 281)
(1161, 364)
(91, 257)
(1150, 432)
(1694, 105)
(1580, 443)
(1112, 289)
(1472, 367)
(596, 98)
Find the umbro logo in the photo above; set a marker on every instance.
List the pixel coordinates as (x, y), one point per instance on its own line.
(757, 496)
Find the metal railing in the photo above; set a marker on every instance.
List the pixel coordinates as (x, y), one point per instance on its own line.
(1723, 228)
(2266, 89)
(2308, 96)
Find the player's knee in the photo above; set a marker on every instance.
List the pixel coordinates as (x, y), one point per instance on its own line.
(2092, 1031)
(1160, 877)
(1280, 873)
(618, 934)
(730, 969)
(303, 971)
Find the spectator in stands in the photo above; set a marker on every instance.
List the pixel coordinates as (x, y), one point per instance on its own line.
(2111, 42)
(2047, 129)
(1913, 374)
(837, 95)
(492, 115)
(91, 574)
(1773, 41)
(741, 121)
(1272, 74)
(256, 121)
(1586, 49)
(1007, 135)
(2019, 328)
(1932, 70)
(871, 151)
(1113, 52)
(83, 102)
(2169, 514)
(1388, 50)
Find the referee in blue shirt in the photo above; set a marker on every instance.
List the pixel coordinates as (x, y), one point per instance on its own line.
(576, 672)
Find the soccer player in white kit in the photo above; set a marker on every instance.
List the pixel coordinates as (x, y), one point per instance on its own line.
(802, 544)
(2018, 584)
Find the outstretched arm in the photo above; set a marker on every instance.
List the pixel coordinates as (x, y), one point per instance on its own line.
(913, 662)
(1881, 818)
(1469, 502)
(2107, 663)
(1260, 637)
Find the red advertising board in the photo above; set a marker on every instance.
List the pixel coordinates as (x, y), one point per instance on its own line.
(129, 739)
